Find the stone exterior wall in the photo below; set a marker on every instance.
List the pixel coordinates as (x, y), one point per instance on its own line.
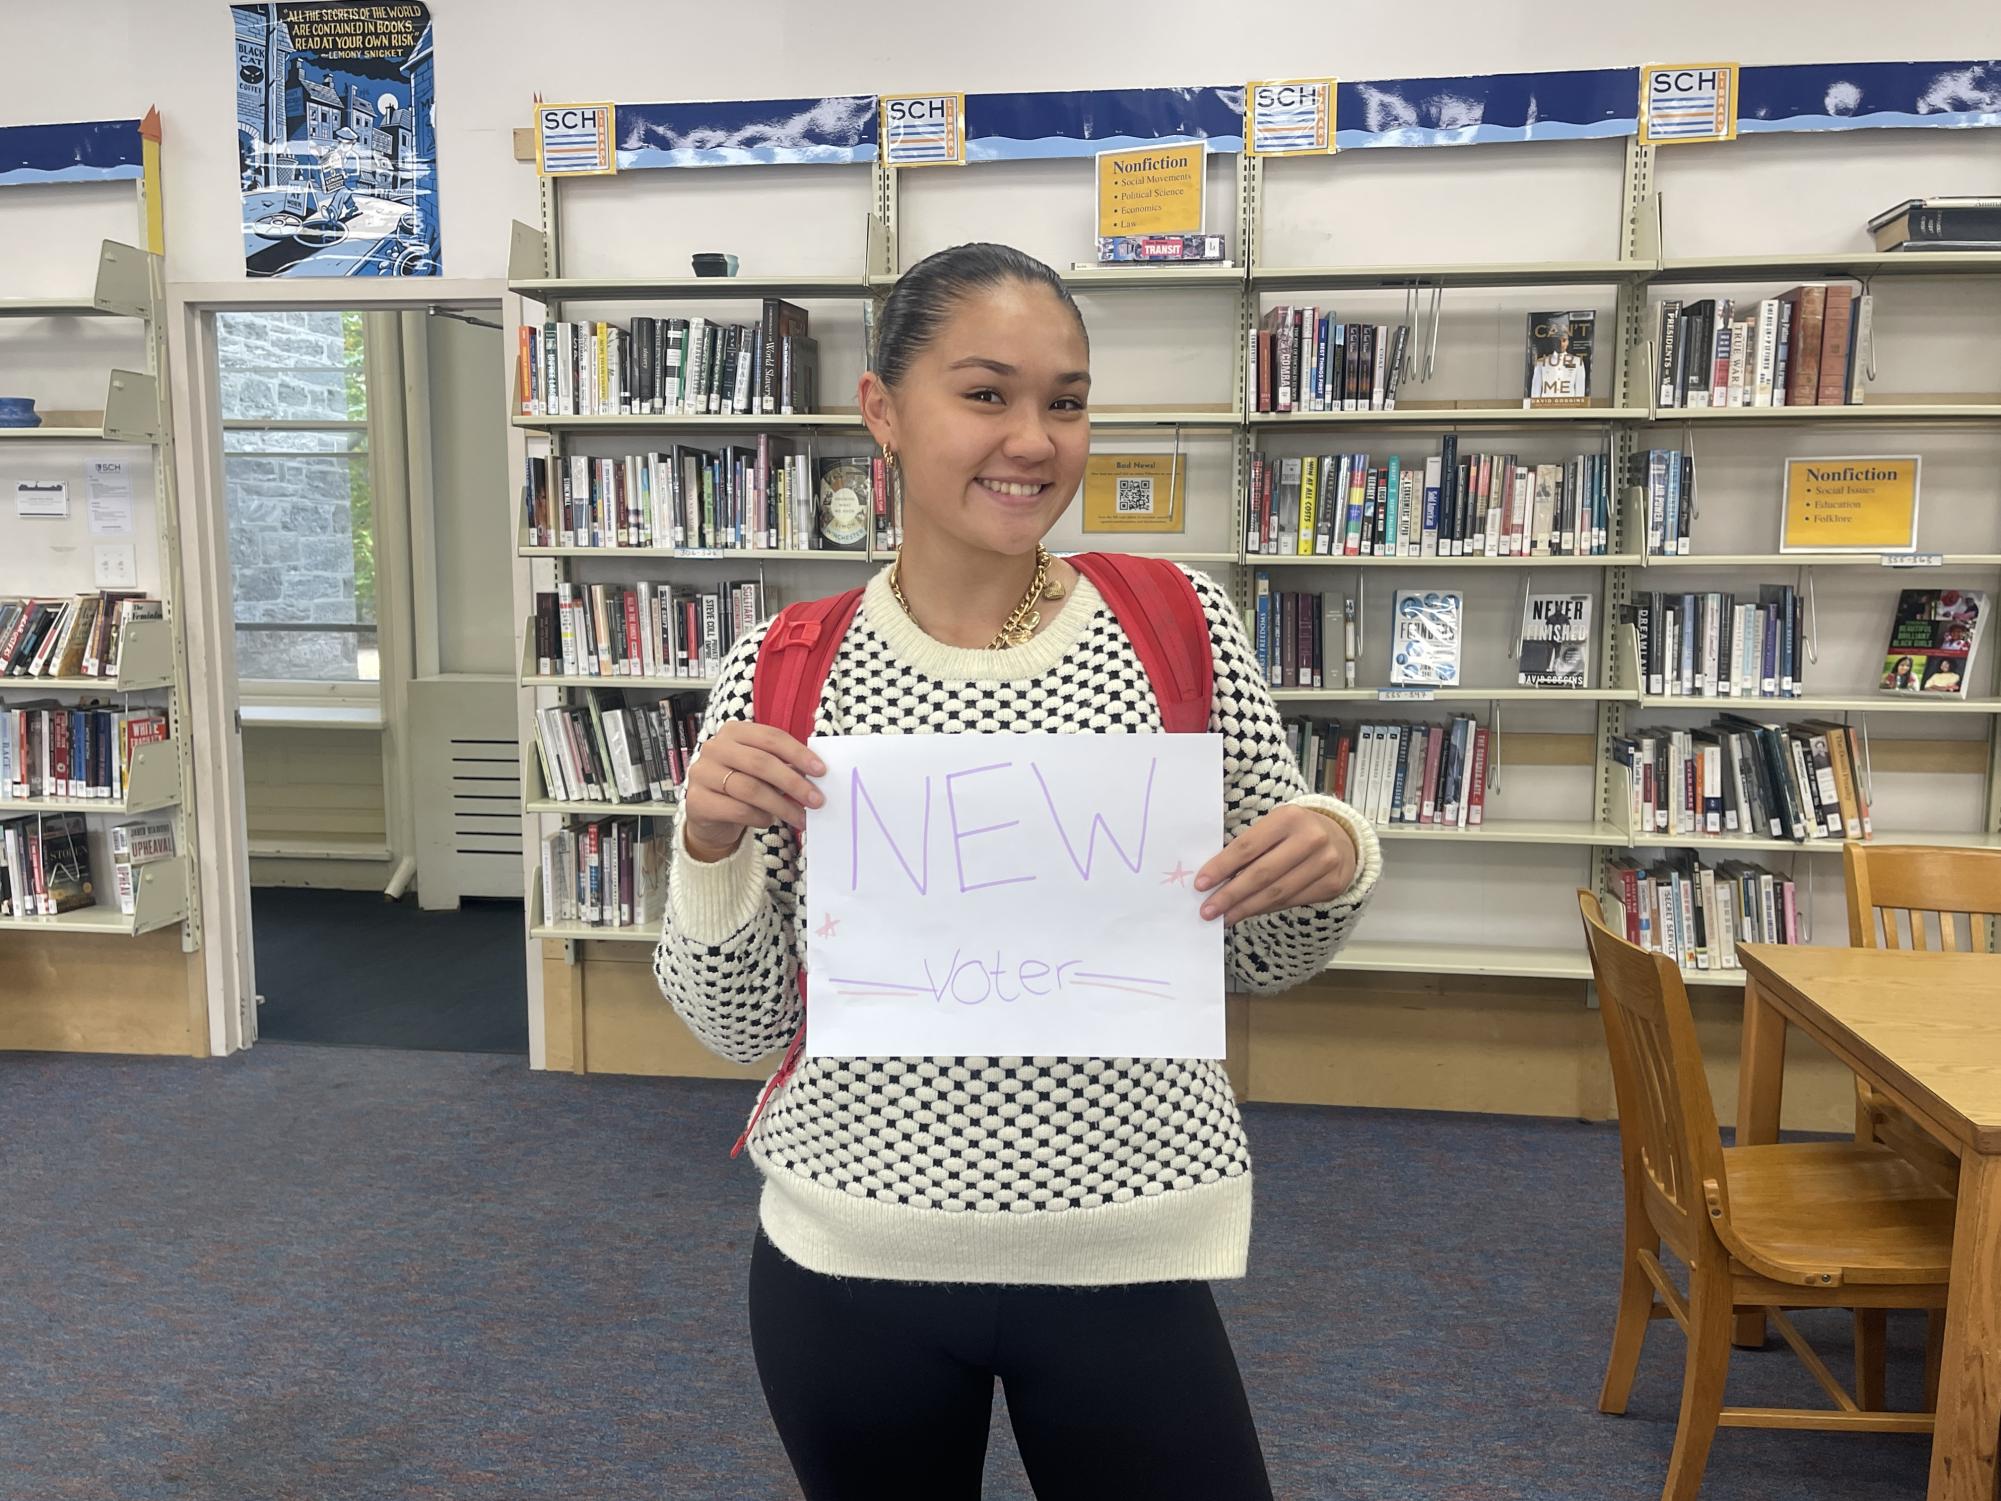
(291, 529)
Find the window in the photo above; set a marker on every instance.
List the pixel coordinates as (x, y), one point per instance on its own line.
(300, 495)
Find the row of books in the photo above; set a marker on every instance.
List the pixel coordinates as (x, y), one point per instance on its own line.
(1294, 634)
(1796, 782)
(1478, 505)
(1432, 775)
(608, 873)
(1302, 360)
(1697, 913)
(747, 496)
(645, 629)
(45, 864)
(606, 750)
(1807, 347)
(669, 366)
(1290, 630)
(1666, 477)
(1718, 645)
(68, 638)
(51, 750)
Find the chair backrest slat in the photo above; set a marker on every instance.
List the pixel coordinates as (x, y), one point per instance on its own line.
(1667, 1121)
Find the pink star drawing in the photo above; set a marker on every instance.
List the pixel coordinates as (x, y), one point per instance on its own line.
(826, 929)
(1177, 876)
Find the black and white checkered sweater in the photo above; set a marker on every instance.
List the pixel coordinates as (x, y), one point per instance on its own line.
(1002, 1169)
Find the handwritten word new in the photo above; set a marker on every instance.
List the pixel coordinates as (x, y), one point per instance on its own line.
(1130, 852)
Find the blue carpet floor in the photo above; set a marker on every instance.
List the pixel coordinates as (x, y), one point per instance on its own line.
(341, 1273)
(348, 967)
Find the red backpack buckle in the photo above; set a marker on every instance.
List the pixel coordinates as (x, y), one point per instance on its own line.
(791, 630)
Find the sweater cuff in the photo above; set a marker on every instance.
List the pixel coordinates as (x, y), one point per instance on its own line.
(1368, 849)
(711, 902)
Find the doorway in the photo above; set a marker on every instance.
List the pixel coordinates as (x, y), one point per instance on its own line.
(361, 455)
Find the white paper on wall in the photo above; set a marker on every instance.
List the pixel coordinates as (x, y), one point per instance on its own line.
(1014, 894)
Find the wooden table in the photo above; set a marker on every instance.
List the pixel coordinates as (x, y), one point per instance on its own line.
(1924, 1028)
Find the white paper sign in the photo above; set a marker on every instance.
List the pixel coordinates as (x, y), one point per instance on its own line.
(107, 490)
(1014, 894)
(44, 499)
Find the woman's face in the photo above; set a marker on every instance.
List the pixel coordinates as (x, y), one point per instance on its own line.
(990, 423)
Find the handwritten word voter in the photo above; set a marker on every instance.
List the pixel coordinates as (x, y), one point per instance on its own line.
(930, 1224)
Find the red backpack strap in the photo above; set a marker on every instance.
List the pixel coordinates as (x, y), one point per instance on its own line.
(1163, 617)
(792, 664)
(793, 659)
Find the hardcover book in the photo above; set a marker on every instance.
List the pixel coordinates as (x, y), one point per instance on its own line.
(844, 504)
(1424, 638)
(1559, 360)
(1932, 641)
(1556, 641)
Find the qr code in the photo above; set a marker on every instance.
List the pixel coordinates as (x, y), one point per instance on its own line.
(1135, 497)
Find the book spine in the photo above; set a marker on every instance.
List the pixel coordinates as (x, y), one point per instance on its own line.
(1476, 799)
(1670, 327)
(1803, 355)
(1832, 387)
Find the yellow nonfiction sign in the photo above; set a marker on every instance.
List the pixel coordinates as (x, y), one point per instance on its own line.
(1134, 492)
(576, 140)
(923, 130)
(1688, 102)
(1289, 117)
(1865, 504)
(1156, 190)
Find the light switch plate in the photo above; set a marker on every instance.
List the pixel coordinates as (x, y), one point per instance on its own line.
(117, 565)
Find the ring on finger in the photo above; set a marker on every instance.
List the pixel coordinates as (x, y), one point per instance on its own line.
(724, 789)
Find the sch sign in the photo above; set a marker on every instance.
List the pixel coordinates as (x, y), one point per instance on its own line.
(1014, 894)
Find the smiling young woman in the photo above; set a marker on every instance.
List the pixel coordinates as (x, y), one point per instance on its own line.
(930, 1224)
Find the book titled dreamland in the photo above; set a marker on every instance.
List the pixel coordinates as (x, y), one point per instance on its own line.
(1556, 641)
(1932, 641)
(1559, 360)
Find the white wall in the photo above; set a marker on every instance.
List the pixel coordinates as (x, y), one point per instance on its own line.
(469, 482)
(101, 59)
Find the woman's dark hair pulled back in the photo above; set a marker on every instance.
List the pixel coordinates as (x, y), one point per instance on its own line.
(925, 295)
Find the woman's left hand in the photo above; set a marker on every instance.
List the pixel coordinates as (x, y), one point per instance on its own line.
(1291, 857)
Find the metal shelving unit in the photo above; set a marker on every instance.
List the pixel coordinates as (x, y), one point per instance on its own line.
(129, 283)
(1625, 419)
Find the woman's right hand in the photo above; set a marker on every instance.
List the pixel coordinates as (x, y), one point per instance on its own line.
(748, 776)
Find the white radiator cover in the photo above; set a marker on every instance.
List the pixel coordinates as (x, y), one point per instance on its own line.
(467, 766)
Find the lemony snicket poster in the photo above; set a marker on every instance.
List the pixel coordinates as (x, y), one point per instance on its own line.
(336, 139)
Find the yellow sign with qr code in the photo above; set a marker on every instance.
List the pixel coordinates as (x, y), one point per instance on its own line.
(1135, 492)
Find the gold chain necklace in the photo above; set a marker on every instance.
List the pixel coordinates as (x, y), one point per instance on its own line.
(1020, 626)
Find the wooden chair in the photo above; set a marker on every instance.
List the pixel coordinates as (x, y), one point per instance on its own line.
(1912, 897)
(1762, 1228)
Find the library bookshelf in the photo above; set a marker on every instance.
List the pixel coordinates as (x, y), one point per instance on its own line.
(1481, 992)
(97, 979)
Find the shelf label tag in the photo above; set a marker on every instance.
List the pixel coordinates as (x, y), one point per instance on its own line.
(1405, 695)
(1912, 560)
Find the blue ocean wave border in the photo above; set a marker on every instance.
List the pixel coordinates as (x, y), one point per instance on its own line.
(77, 151)
(1573, 105)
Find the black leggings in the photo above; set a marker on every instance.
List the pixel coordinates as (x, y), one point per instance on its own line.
(884, 1390)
